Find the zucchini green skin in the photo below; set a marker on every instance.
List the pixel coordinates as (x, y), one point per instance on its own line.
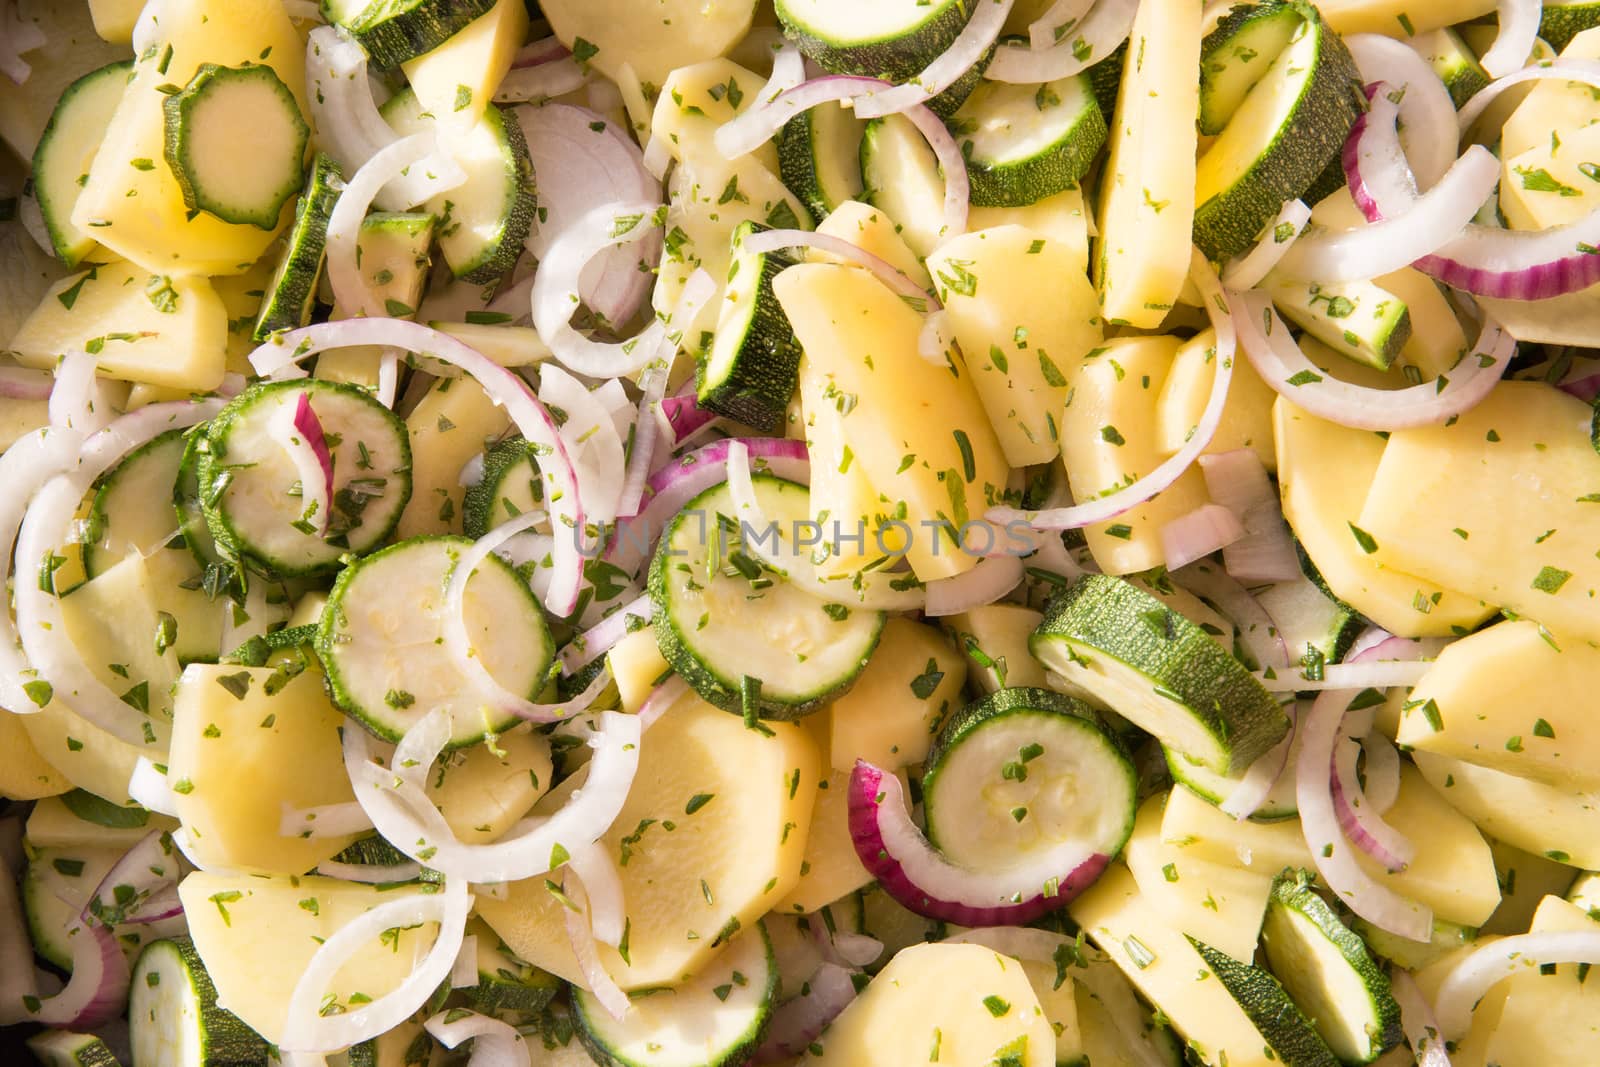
(224, 1039)
(1291, 1035)
(60, 1048)
(1330, 99)
(499, 254)
(1048, 709)
(895, 57)
(754, 383)
(1230, 718)
(675, 637)
(802, 163)
(289, 299)
(1105, 78)
(393, 31)
(182, 131)
(481, 510)
(1561, 22)
(186, 501)
(1214, 789)
(1293, 895)
(1457, 65)
(231, 534)
(1054, 169)
(74, 108)
(1235, 54)
(1330, 181)
(592, 1022)
(514, 989)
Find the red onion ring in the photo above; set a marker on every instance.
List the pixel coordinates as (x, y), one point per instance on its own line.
(1105, 508)
(1333, 855)
(600, 639)
(1427, 114)
(98, 989)
(299, 432)
(1256, 629)
(896, 279)
(1361, 825)
(23, 383)
(910, 870)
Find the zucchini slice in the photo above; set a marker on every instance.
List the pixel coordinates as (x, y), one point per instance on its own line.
(889, 39)
(247, 480)
(1312, 624)
(63, 1048)
(1022, 770)
(288, 301)
(1290, 1034)
(393, 31)
(173, 1016)
(716, 1019)
(1328, 971)
(67, 147)
(1562, 20)
(1235, 56)
(483, 223)
(1290, 124)
(132, 510)
(1214, 788)
(1154, 667)
(55, 887)
(380, 639)
(902, 179)
(1360, 320)
(236, 143)
(752, 367)
(510, 486)
(508, 988)
(1023, 143)
(819, 157)
(1457, 65)
(739, 633)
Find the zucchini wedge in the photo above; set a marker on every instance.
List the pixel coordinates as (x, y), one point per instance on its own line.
(288, 302)
(751, 369)
(1132, 653)
(1279, 139)
(1329, 972)
(174, 1018)
(66, 149)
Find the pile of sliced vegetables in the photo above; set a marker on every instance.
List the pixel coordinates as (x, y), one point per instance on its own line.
(679, 534)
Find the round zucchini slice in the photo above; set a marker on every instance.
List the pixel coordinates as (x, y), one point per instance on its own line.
(381, 640)
(1023, 770)
(249, 486)
(739, 634)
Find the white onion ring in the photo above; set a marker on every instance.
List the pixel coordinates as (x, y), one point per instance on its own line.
(1257, 631)
(586, 951)
(798, 1022)
(502, 386)
(556, 293)
(72, 398)
(1279, 361)
(494, 1043)
(1265, 553)
(406, 817)
(350, 290)
(1197, 534)
(593, 865)
(1055, 22)
(1103, 509)
(47, 649)
(1097, 36)
(965, 52)
(1252, 791)
(464, 972)
(1416, 1019)
(1384, 674)
(1247, 270)
(988, 581)
(592, 441)
(1333, 855)
(1473, 976)
(150, 789)
(1427, 114)
(896, 279)
(646, 433)
(1519, 28)
(556, 76)
(305, 1030)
